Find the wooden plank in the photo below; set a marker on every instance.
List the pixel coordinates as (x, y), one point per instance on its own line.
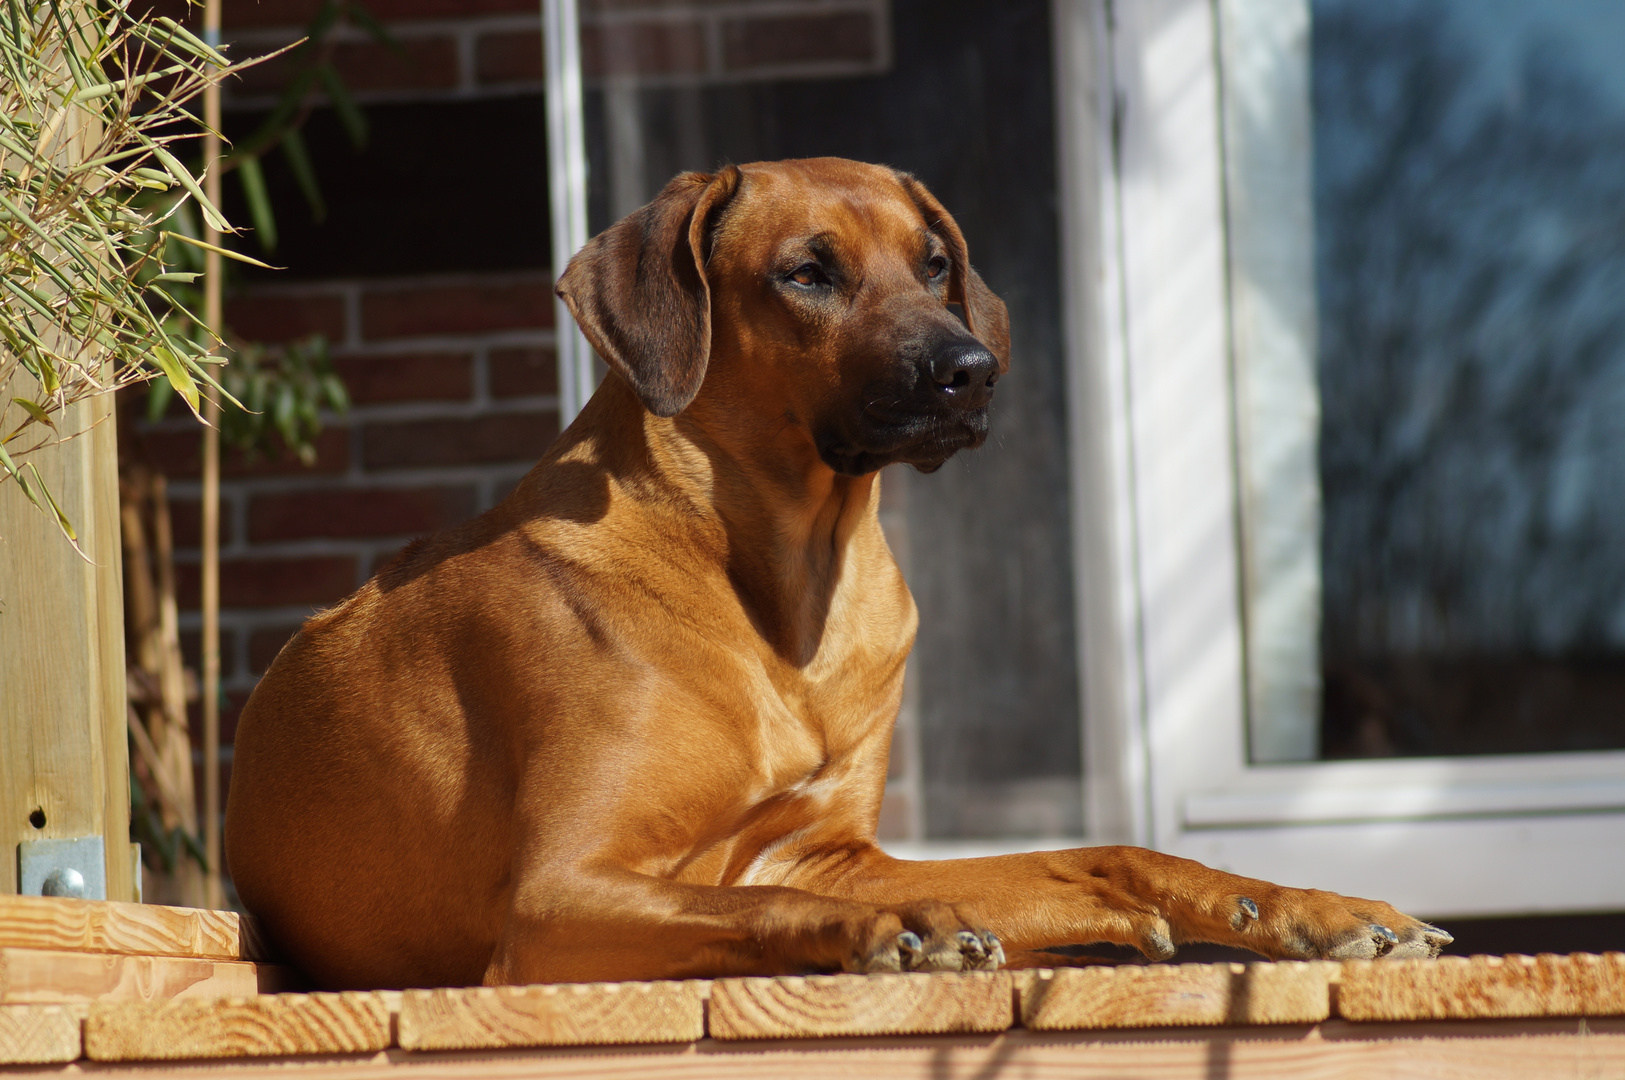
(38, 1035)
(42, 976)
(265, 1026)
(827, 1005)
(1159, 995)
(573, 1014)
(43, 922)
(1482, 1050)
(1471, 988)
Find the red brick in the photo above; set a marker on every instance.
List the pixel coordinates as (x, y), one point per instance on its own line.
(392, 11)
(522, 372)
(192, 652)
(508, 58)
(408, 377)
(186, 522)
(230, 710)
(180, 454)
(797, 39)
(235, 13)
(651, 48)
(498, 438)
(243, 14)
(413, 64)
(249, 583)
(284, 318)
(457, 309)
(351, 513)
(264, 644)
(591, 7)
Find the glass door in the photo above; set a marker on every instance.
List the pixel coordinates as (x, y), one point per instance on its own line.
(1367, 278)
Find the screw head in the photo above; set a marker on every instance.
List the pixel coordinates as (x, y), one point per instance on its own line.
(64, 881)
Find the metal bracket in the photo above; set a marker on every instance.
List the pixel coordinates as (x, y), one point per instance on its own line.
(75, 867)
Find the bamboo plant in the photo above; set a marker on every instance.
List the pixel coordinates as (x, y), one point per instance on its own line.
(92, 115)
(99, 244)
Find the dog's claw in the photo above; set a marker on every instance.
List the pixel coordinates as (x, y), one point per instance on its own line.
(995, 950)
(1157, 946)
(1386, 938)
(909, 948)
(971, 946)
(1246, 912)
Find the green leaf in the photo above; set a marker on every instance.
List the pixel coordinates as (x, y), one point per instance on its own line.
(179, 377)
(259, 203)
(350, 114)
(293, 148)
(187, 181)
(35, 411)
(49, 379)
(62, 521)
(239, 256)
(283, 414)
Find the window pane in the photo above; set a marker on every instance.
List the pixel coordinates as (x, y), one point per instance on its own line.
(1469, 193)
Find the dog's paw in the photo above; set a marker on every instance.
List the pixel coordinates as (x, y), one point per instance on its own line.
(1307, 924)
(930, 937)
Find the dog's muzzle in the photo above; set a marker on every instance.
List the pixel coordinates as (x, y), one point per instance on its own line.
(932, 408)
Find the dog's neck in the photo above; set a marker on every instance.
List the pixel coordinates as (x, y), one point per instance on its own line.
(743, 486)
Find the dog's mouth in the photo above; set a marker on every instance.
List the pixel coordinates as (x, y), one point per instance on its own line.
(888, 436)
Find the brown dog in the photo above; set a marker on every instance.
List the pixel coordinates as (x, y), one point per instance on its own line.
(633, 722)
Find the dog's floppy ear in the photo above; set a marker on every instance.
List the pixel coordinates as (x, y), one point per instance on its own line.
(639, 291)
(985, 314)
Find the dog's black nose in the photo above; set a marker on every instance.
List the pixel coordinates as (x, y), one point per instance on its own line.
(966, 372)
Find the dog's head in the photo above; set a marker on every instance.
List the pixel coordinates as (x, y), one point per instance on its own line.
(822, 291)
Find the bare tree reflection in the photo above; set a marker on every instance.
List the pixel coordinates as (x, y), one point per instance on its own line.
(1471, 266)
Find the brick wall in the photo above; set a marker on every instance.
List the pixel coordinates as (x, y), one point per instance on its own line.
(474, 48)
(452, 374)
(453, 382)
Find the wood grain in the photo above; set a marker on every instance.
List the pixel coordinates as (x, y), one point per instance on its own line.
(573, 1014)
(1485, 1050)
(1481, 987)
(63, 747)
(42, 976)
(43, 922)
(826, 1005)
(1159, 995)
(38, 1035)
(264, 1026)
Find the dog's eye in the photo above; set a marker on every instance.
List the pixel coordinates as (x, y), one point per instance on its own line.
(808, 275)
(936, 268)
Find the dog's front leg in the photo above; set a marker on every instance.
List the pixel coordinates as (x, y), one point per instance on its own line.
(1129, 896)
(620, 925)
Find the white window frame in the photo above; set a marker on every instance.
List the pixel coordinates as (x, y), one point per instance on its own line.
(1157, 337)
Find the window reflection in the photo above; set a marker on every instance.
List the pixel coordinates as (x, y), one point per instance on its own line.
(1469, 168)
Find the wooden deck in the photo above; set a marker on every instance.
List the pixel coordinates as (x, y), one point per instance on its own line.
(142, 990)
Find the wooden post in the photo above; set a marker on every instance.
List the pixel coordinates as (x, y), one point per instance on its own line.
(211, 491)
(64, 752)
(64, 758)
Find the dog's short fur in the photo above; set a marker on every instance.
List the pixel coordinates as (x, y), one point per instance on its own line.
(633, 722)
